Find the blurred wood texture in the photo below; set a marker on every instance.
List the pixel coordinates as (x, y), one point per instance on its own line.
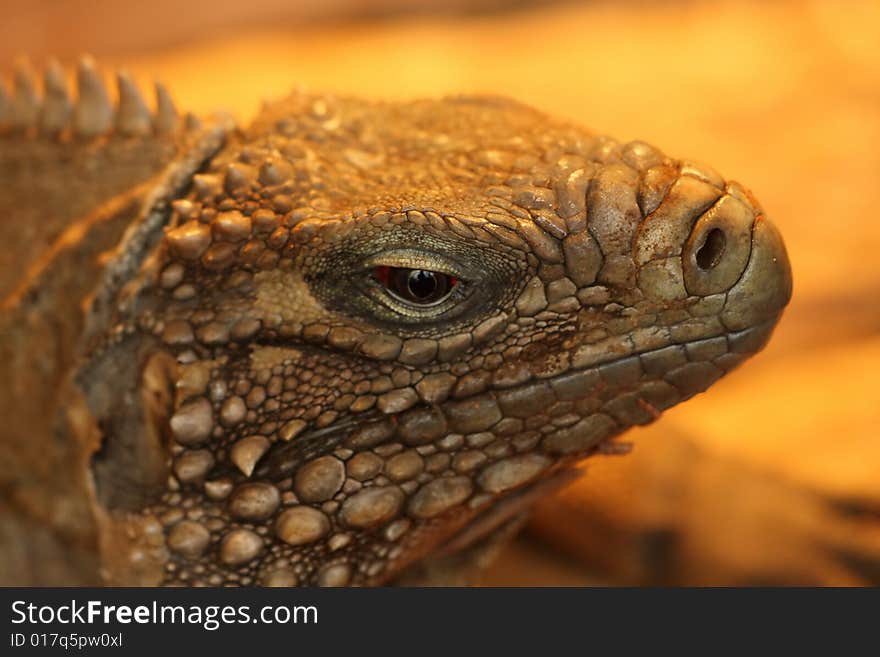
(774, 475)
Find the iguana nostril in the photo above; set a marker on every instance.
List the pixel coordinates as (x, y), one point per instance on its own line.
(717, 251)
(709, 255)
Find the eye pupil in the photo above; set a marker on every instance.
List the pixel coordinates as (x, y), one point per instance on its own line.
(422, 284)
(418, 286)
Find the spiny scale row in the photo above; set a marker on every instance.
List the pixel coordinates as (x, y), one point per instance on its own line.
(91, 114)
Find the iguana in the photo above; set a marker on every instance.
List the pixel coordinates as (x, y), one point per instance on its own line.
(348, 344)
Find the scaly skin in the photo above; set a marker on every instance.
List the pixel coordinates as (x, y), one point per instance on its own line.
(259, 408)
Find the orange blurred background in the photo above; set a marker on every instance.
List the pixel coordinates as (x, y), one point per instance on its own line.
(773, 477)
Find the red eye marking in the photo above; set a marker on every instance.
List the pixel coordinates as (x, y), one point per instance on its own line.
(383, 275)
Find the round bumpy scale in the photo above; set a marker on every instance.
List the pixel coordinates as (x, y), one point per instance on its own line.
(218, 489)
(364, 466)
(188, 538)
(190, 240)
(192, 422)
(372, 507)
(439, 495)
(240, 546)
(256, 501)
(404, 466)
(301, 524)
(512, 472)
(193, 465)
(335, 575)
(232, 225)
(233, 411)
(319, 480)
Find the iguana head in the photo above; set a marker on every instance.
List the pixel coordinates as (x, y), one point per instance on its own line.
(384, 327)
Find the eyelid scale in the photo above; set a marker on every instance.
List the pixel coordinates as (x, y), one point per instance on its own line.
(412, 259)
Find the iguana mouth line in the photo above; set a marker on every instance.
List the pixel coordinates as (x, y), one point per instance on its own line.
(283, 459)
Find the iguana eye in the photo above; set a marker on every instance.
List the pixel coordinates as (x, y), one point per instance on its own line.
(417, 286)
